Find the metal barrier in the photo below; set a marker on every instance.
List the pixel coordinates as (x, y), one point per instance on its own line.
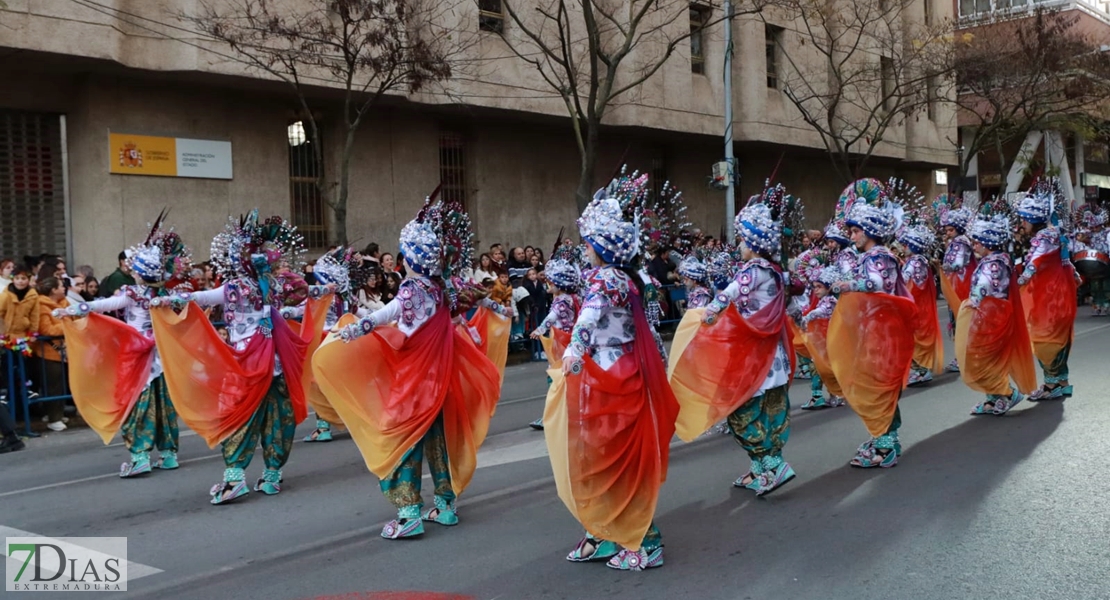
(32, 379)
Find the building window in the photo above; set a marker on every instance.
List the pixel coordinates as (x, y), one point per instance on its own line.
(491, 16)
(773, 38)
(32, 202)
(452, 168)
(699, 18)
(886, 72)
(306, 173)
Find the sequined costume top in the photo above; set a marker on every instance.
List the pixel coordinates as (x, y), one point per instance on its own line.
(823, 310)
(957, 255)
(698, 296)
(847, 259)
(561, 316)
(878, 271)
(991, 278)
(418, 298)
(1044, 242)
(246, 312)
(134, 301)
(916, 270)
(605, 328)
(756, 285)
(653, 307)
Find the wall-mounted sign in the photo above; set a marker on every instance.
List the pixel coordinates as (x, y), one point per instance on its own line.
(990, 179)
(168, 157)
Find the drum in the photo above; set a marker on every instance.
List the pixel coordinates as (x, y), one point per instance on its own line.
(1092, 264)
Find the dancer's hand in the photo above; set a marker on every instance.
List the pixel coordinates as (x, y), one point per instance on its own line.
(710, 318)
(572, 365)
(536, 334)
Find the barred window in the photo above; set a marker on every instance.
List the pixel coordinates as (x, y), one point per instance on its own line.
(308, 205)
(452, 167)
(32, 194)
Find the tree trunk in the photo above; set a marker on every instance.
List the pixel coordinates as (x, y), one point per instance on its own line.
(589, 166)
(340, 206)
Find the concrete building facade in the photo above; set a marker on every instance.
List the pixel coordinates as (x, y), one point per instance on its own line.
(78, 74)
(1082, 164)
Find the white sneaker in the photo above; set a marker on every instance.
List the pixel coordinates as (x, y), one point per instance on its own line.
(56, 426)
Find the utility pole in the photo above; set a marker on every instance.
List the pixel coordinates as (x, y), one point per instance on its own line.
(730, 191)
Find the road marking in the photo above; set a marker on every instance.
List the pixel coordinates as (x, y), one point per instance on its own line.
(134, 570)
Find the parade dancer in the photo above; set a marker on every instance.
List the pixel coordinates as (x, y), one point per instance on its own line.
(958, 263)
(845, 256)
(870, 339)
(1094, 219)
(610, 414)
(340, 275)
(563, 279)
(422, 390)
(115, 371)
(248, 393)
(992, 341)
(1048, 283)
(918, 276)
(695, 278)
(815, 327)
(739, 363)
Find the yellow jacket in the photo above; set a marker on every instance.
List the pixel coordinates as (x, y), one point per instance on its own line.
(20, 317)
(50, 326)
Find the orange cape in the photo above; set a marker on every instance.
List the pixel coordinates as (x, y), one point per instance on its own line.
(992, 345)
(714, 369)
(956, 287)
(928, 347)
(554, 345)
(311, 330)
(215, 388)
(1049, 300)
(870, 346)
(389, 389)
(797, 339)
(494, 331)
(109, 367)
(608, 436)
(817, 341)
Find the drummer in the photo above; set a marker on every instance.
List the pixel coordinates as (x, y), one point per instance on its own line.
(1093, 221)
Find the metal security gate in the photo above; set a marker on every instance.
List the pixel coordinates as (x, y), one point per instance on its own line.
(32, 190)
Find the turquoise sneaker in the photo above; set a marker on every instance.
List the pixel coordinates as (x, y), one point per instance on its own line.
(169, 460)
(443, 512)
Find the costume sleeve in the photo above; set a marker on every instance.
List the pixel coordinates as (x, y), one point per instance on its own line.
(548, 321)
(957, 256)
(980, 285)
(383, 316)
(294, 312)
(869, 276)
(205, 298)
(721, 302)
(1041, 244)
(316, 292)
(504, 311)
(584, 327)
(117, 302)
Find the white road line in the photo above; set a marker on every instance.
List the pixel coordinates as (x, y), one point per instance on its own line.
(134, 570)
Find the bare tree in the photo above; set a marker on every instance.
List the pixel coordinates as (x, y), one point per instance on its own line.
(858, 69)
(594, 52)
(1025, 73)
(367, 48)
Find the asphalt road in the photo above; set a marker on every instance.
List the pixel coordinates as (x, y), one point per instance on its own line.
(1012, 508)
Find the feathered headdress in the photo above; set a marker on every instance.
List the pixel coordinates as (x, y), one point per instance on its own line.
(994, 224)
(867, 206)
(1041, 201)
(951, 212)
(162, 259)
(247, 243)
(694, 269)
(611, 222)
(341, 267)
(721, 268)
